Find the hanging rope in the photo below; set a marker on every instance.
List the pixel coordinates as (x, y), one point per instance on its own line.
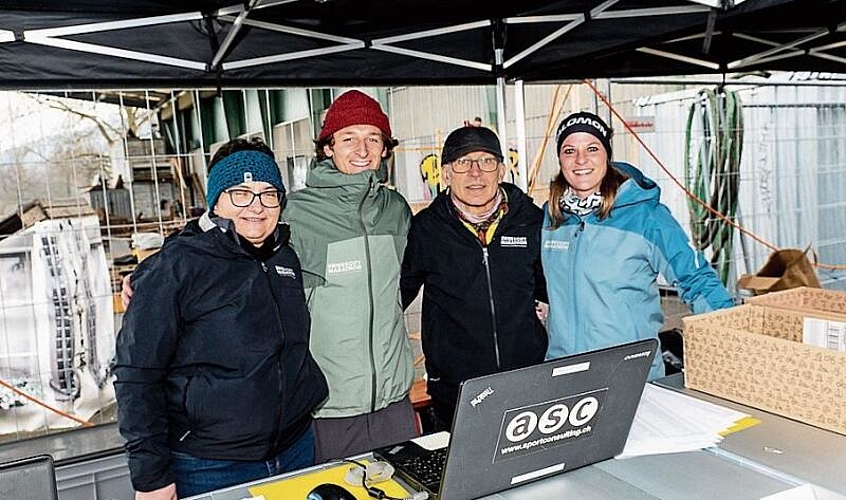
(712, 171)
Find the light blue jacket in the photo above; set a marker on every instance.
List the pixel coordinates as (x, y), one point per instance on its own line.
(602, 275)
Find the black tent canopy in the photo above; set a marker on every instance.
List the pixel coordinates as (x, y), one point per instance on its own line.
(74, 44)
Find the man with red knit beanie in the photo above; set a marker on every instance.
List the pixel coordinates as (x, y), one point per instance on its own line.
(349, 231)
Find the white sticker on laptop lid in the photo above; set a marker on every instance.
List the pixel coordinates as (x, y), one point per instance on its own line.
(529, 476)
(566, 370)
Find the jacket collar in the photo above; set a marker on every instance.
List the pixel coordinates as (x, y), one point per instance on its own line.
(517, 200)
(638, 188)
(325, 174)
(208, 222)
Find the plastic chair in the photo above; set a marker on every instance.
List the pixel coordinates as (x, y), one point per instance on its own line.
(32, 478)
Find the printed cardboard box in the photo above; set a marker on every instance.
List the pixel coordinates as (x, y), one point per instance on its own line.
(754, 355)
(811, 300)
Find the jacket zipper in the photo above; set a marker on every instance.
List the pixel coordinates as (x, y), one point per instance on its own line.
(373, 380)
(191, 421)
(574, 313)
(279, 388)
(486, 262)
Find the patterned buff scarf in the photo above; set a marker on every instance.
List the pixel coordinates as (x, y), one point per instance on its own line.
(573, 204)
(482, 224)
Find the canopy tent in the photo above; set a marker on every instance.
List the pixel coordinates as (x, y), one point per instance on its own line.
(67, 44)
(63, 45)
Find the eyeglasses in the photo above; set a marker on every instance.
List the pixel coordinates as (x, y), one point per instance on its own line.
(244, 197)
(486, 164)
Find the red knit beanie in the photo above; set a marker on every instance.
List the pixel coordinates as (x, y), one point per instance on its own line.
(354, 108)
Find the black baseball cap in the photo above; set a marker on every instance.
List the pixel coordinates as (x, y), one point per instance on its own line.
(469, 140)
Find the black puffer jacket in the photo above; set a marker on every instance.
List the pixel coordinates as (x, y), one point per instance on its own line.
(212, 359)
(478, 303)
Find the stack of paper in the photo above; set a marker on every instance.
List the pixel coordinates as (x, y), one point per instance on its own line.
(669, 422)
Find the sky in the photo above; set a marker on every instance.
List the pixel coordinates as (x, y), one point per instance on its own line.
(24, 120)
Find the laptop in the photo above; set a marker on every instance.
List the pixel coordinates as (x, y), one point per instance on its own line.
(514, 427)
(32, 478)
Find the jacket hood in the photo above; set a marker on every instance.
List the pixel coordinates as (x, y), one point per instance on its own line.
(637, 189)
(326, 174)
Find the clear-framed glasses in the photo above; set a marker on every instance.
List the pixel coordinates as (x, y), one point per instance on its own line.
(486, 164)
(244, 197)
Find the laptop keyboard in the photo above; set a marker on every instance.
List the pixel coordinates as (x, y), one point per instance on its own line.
(427, 469)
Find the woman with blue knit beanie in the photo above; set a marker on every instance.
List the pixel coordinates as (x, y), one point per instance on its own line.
(214, 380)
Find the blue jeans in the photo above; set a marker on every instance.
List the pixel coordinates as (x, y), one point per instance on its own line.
(200, 475)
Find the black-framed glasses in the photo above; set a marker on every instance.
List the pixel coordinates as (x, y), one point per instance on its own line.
(244, 197)
(486, 164)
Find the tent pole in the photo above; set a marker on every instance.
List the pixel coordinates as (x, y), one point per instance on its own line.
(520, 117)
(500, 115)
(500, 103)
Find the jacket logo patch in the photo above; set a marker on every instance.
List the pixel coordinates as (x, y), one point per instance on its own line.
(556, 245)
(344, 267)
(286, 272)
(514, 242)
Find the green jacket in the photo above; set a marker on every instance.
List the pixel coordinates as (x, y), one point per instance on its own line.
(349, 232)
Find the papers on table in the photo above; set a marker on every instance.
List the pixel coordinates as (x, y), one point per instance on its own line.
(434, 441)
(669, 422)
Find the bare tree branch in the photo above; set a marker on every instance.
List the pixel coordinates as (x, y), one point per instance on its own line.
(109, 132)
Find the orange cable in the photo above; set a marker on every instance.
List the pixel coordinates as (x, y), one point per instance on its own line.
(45, 405)
(687, 192)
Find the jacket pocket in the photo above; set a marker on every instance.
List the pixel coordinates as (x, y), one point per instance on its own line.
(293, 311)
(186, 405)
(235, 408)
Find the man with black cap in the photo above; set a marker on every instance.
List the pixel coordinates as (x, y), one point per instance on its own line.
(349, 230)
(476, 252)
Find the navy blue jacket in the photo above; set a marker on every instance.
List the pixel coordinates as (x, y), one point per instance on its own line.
(212, 359)
(478, 303)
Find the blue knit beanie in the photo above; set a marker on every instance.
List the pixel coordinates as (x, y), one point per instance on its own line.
(239, 167)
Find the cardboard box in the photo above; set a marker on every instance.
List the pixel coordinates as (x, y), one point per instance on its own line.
(804, 299)
(754, 355)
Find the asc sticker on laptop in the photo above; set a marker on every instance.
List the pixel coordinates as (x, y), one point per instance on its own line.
(546, 425)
